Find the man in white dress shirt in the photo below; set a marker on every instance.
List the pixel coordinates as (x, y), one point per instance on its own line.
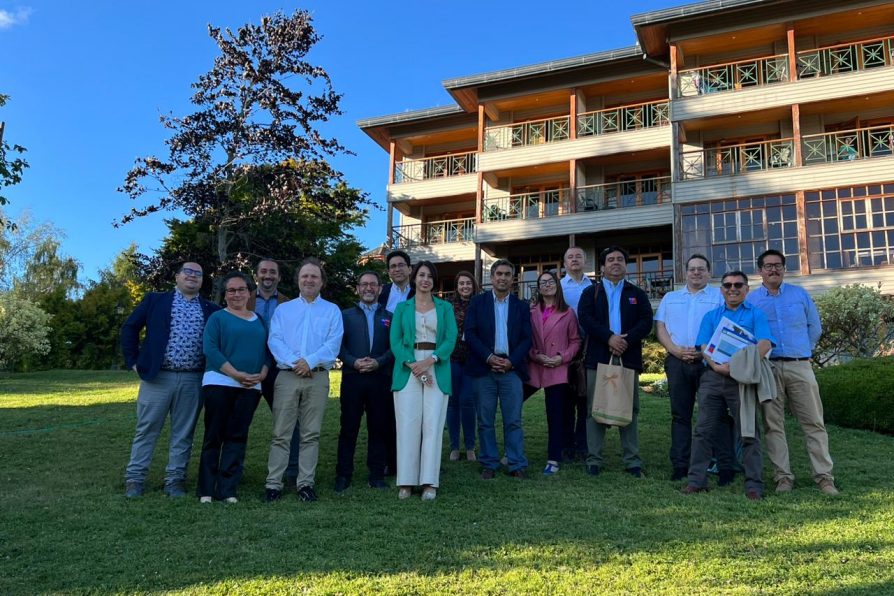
(305, 337)
(676, 325)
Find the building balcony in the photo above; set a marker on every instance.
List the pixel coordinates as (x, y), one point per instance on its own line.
(770, 167)
(736, 87)
(437, 241)
(442, 166)
(617, 205)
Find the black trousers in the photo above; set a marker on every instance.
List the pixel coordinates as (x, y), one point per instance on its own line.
(369, 393)
(228, 415)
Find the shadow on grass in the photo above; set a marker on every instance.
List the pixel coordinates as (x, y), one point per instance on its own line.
(67, 527)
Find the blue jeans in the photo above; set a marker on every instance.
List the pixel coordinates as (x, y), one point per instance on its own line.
(461, 408)
(507, 389)
(180, 394)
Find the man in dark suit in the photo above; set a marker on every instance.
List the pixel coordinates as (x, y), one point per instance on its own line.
(399, 289)
(365, 383)
(617, 317)
(170, 364)
(498, 332)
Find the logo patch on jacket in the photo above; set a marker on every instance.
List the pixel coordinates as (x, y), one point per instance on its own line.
(632, 300)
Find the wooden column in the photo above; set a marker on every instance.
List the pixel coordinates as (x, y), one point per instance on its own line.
(802, 232)
(392, 161)
(572, 185)
(796, 133)
(572, 111)
(482, 122)
(792, 53)
(389, 239)
(673, 93)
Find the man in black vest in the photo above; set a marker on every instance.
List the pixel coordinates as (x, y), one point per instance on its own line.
(366, 384)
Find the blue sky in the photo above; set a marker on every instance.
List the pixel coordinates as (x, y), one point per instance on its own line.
(88, 81)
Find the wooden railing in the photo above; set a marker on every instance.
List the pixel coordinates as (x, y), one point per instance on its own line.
(848, 145)
(622, 118)
(847, 57)
(528, 205)
(532, 132)
(442, 166)
(433, 232)
(733, 75)
(737, 159)
(624, 194)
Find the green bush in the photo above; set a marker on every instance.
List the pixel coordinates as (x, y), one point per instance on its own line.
(858, 322)
(653, 355)
(859, 394)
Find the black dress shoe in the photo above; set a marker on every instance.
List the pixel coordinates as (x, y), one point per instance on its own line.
(636, 472)
(679, 474)
(593, 470)
(521, 474)
(307, 494)
(341, 484)
(725, 477)
(488, 474)
(272, 495)
(377, 483)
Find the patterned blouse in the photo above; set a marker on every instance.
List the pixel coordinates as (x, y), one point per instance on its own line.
(461, 351)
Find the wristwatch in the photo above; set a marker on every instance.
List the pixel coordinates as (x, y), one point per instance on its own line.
(435, 358)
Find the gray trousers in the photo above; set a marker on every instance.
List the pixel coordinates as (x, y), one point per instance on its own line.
(177, 393)
(718, 397)
(596, 431)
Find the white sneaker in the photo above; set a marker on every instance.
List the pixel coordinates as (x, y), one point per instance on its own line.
(205, 499)
(231, 500)
(551, 468)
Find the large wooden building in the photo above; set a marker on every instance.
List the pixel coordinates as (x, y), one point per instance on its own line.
(728, 129)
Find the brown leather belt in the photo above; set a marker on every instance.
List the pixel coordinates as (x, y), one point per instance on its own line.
(424, 345)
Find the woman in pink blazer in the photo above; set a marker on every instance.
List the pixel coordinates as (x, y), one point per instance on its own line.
(555, 342)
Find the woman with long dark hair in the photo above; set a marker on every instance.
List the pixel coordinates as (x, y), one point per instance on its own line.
(461, 405)
(556, 342)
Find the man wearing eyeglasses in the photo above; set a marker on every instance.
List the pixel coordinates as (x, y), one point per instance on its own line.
(365, 383)
(676, 325)
(170, 363)
(796, 325)
(718, 394)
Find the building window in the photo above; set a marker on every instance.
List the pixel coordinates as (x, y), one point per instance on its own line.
(735, 232)
(850, 226)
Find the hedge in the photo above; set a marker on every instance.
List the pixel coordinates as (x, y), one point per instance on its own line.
(859, 394)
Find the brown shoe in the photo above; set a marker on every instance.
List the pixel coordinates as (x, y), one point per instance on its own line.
(691, 490)
(488, 474)
(785, 485)
(827, 486)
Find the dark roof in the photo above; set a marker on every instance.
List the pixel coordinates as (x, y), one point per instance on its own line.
(688, 10)
(409, 116)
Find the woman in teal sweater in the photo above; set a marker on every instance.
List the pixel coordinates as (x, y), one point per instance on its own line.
(235, 346)
(423, 334)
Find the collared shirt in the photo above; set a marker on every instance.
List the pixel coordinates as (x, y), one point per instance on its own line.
(613, 295)
(396, 296)
(370, 311)
(184, 349)
(501, 324)
(572, 290)
(746, 316)
(265, 307)
(310, 330)
(682, 312)
(793, 318)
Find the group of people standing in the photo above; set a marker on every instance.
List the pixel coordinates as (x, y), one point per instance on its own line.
(412, 362)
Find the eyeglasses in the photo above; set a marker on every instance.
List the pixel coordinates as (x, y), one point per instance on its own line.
(399, 265)
(733, 284)
(242, 290)
(772, 266)
(190, 272)
(546, 283)
(368, 284)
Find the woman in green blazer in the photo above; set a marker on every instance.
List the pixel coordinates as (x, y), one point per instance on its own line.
(423, 334)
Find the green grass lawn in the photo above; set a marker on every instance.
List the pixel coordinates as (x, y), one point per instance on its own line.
(65, 526)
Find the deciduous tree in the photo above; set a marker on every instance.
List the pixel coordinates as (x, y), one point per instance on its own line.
(12, 165)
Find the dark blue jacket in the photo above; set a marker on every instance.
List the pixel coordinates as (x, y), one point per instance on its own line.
(153, 314)
(636, 322)
(386, 292)
(355, 341)
(480, 332)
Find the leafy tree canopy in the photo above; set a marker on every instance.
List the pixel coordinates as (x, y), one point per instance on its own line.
(11, 165)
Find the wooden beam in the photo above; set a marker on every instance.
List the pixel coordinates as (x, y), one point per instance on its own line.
(482, 120)
(796, 132)
(392, 162)
(792, 52)
(479, 198)
(572, 183)
(675, 61)
(802, 232)
(572, 111)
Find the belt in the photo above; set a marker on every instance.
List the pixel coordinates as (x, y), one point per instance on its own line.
(787, 359)
(320, 369)
(424, 345)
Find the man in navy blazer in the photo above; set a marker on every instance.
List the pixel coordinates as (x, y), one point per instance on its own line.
(170, 363)
(498, 332)
(399, 290)
(367, 362)
(616, 316)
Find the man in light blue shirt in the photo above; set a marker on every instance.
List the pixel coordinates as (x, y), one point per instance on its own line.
(305, 338)
(575, 415)
(796, 325)
(676, 325)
